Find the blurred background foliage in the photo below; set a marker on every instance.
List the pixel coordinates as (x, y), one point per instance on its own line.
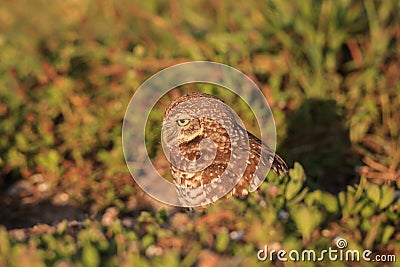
(329, 70)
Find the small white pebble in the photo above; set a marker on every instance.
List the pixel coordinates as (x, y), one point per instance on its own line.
(283, 215)
(153, 250)
(236, 235)
(127, 222)
(110, 215)
(43, 187)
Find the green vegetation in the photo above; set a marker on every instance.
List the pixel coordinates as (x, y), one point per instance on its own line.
(329, 70)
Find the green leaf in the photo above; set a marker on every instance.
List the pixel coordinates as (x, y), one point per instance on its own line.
(292, 188)
(374, 193)
(387, 233)
(388, 195)
(50, 161)
(222, 241)
(5, 247)
(90, 256)
(297, 173)
(360, 188)
(307, 219)
(342, 198)
(330, 202)
(348, 205)
(372, 234)
(192, 256)
(367, 211)
(145, 217)
(297, 178)
(147, 240)
(300, 196)
(162, 215)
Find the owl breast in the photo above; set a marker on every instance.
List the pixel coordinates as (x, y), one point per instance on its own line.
(222, 141)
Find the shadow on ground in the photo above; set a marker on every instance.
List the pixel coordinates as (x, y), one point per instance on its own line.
(23, 206)
(44, 212)
(318, 138)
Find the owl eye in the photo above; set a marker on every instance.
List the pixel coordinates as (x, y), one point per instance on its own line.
(183, 122)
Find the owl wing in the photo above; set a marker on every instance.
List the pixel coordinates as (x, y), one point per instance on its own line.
(262, 159)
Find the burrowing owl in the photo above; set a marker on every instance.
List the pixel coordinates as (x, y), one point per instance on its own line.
(195, 117)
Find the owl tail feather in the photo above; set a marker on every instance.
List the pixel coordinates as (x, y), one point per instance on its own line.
(279, 165)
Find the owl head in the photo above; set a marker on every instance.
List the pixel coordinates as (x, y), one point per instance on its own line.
(196, 129)
(185, 118)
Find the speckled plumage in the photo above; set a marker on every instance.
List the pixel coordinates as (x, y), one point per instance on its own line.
(201, 127)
